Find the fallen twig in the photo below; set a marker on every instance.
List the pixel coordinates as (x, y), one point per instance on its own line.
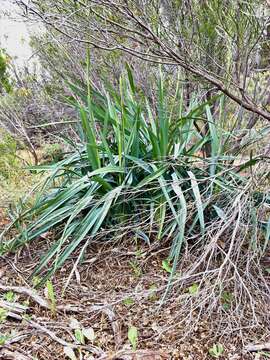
(93, 349)
(132, 355)
(114, 324)
(14, 310)
(67, 308)
(39, 299)
(7, 354)
(13, 306)
(28, 292)
(15, 339)
(53, 336)
(259, 347)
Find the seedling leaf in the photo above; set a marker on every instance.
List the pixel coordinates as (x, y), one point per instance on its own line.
(216, 351)
(79, 336)
(133, 337)
(89, 333)
(69, 353)
(193, 289)
(166, 266)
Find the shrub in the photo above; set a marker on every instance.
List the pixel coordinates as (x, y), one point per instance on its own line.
(9, 162)
(15, 179)
(5, 83)
(138, 165)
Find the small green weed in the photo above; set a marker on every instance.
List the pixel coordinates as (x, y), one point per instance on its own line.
(128, 302)
(51, 296)
(79, 336)
(193, 289)
(136, 268)
(3, 315)
(133, 337)
(226, 300)
(166, 265)
(216, 350)
(9, 296)
(81, 333)
(3, 339)
(36, 280)
(153, 294)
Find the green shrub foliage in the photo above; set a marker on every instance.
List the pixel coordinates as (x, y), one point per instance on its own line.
(138, 162)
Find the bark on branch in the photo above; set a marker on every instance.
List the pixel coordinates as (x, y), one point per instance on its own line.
(145, 34)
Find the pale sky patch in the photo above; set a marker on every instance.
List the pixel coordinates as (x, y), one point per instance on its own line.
(14, 35)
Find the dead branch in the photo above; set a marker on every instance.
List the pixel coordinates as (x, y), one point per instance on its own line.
(139, 355)
(39, 299)
(158, 50)
(13, 355)
(260, 347)
(53, 336)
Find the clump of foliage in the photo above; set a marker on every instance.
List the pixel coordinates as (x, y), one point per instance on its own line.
(53, 153)
(9, 162)
(15, 179)
(139, 166)
(5, 84)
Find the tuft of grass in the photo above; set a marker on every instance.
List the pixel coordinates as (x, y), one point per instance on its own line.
(136, 162)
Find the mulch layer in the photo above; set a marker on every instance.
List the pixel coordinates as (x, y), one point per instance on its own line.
(111, 290)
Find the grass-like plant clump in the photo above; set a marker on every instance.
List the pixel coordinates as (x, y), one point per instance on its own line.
(140, 168)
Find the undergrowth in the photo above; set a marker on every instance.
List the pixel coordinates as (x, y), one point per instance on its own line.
(15, 179)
